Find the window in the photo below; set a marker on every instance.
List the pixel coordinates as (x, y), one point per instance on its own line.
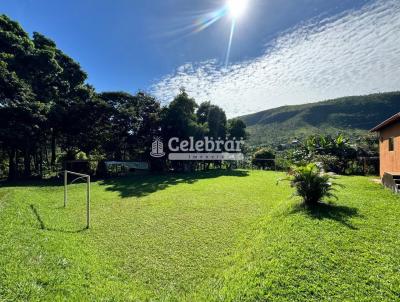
(391, 143)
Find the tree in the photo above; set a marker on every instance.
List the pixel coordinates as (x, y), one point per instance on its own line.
(133, 121)
(149, 111)
(65, 87)
(21, 114)
(213, 118)
(179, 119)
(237, 129)
(15, 97)
(41, 68)
(122, 125)
(85, 126)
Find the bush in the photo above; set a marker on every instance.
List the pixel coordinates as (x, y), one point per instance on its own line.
(292, 157)
(330, 163)
(310, 183)
(264, 158)
(354, 168)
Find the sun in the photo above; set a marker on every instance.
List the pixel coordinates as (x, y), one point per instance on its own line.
(236, 8)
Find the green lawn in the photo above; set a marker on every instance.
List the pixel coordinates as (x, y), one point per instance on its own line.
(225, 236)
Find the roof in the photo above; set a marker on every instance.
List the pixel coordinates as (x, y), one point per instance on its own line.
(388, 122)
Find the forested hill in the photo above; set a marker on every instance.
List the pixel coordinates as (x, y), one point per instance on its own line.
(352, 115)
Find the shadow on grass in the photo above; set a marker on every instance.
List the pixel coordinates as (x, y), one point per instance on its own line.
(156, 177)
(142, 185)
(50, 182)
(42, 225)
(321, 211)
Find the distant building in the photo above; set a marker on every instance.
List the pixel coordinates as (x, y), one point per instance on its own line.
(389, 151)
(295, 142)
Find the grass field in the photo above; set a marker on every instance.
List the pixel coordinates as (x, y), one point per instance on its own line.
(213, 236)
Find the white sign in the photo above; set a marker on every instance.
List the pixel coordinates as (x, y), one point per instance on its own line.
(205, 149)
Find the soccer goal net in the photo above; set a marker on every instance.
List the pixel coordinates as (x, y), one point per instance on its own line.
(79, 176)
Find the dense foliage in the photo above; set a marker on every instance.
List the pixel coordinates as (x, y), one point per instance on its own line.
(49, 114)
(264, 158)
(184, 118)
(336, 154)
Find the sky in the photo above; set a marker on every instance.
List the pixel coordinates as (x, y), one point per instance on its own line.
(283, 51)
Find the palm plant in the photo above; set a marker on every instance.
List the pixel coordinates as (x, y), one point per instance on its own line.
(311, 184)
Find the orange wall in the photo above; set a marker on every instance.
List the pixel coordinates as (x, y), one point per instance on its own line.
(389, 160)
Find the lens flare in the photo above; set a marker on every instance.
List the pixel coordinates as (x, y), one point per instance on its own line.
(228, 52)
(236, 8)
(232, 8)
(208, 19)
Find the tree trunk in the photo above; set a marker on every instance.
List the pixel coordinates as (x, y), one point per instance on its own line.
(53, 150)
(41, 163)
(36, 161)
(27, 164)
(118, 155)
(12, 165)
(46, 156)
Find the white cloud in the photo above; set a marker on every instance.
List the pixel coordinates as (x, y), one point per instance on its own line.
(352, 54)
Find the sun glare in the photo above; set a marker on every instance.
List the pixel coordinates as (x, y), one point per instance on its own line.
(236, 8)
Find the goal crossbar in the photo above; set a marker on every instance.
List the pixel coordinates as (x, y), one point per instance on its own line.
(66, 172)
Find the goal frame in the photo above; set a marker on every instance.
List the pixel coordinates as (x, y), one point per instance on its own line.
(66, 172)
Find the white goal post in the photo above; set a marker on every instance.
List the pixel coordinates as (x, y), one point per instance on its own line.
(66, 172)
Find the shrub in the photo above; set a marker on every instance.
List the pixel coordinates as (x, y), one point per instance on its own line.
(264, 158)
(310, 183)
(354, 168)
(330, 163)
(288, 158)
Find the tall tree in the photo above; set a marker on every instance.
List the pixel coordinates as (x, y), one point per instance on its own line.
(179, 119)
(213, 118)
(65, 88)
(150, 122)
(15, 96)
(133, 121)
(237, 129)
(21, 114)
(85, 123)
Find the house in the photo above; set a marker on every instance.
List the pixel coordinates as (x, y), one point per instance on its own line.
(389, 151)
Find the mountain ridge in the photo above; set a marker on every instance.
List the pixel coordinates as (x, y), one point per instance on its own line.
(352, 115)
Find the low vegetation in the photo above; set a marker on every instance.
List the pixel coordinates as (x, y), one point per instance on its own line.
(311, 184)
(336, 154)
(209, 236)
